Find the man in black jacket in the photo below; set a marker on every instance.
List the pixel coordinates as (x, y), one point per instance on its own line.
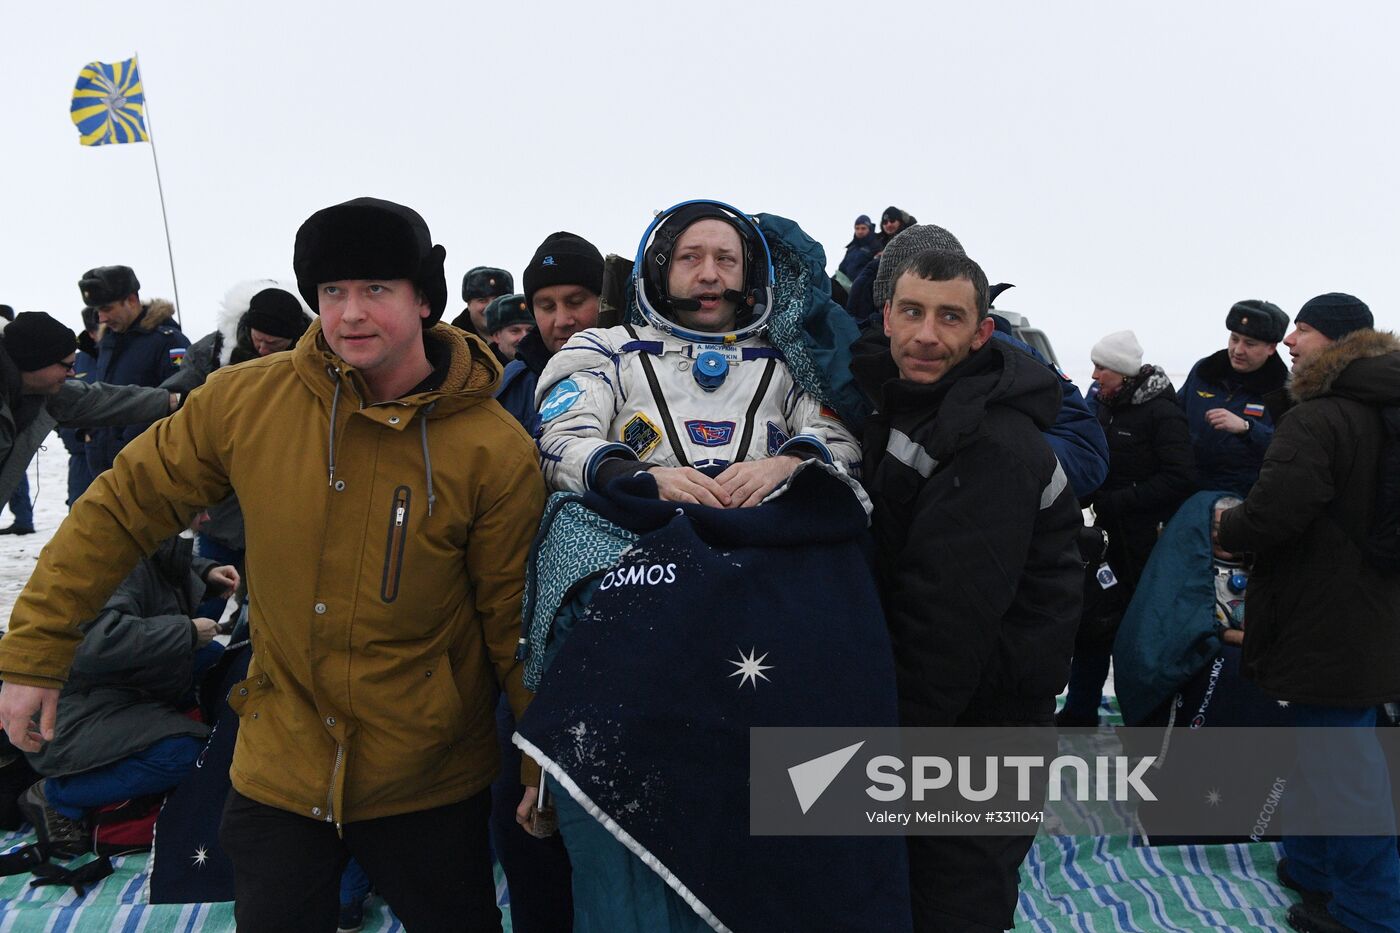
(975, 529)
(1322, 624)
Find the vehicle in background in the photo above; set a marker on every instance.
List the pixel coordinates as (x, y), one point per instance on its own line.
(1021, 327)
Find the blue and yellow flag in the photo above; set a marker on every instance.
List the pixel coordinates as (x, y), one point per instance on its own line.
(109, 104)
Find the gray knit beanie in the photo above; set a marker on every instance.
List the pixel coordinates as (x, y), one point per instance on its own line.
(905, 245)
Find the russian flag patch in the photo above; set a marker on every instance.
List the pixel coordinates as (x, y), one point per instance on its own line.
(1254, 410)
(177, 355)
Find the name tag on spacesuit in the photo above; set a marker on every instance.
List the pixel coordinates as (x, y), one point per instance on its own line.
(732, 355)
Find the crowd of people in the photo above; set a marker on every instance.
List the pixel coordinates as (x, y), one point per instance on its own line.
(371, 483)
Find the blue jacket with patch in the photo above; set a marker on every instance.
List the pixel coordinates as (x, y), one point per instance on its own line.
(139, 356)
(1076, 437)
(1224, 460)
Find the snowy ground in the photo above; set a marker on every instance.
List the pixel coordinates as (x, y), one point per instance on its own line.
(48, 487)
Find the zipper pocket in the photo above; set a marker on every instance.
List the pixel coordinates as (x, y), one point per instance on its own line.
(330, 794)
(394, 545)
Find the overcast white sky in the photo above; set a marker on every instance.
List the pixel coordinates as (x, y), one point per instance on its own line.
(1125, 166)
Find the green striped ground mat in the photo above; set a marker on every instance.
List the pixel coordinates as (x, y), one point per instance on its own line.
(1090, 884)
(119, 903)
(1097, 884)
(1093, 884)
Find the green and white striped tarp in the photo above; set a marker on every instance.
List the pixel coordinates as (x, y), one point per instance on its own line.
(119, 903)
(1097, 884)
(1090, 884)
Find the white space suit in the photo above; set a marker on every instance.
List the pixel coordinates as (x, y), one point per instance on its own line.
(598, 400)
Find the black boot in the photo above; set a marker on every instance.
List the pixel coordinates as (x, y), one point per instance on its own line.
(59, 837)
(1314, 918)
(1285, 878)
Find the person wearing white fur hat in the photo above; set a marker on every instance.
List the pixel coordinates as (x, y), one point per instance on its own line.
(256, 317)
(1151, 471)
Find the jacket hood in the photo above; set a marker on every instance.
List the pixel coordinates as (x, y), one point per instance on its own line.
(235, 304)
(154, 313)
(472, 376)
(158, 312)
(1363, 366)
(998, 375)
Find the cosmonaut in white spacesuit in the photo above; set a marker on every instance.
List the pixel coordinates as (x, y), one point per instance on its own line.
(698, 396)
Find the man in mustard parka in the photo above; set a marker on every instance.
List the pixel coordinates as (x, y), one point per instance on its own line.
(390, 503)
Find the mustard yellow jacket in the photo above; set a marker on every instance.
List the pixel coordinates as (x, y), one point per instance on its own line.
(386, 556)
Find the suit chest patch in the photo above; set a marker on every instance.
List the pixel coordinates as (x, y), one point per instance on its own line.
(710, 433)
(640, 435)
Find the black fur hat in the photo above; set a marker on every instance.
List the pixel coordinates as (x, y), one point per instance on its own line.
(107, 284)
(368, 238)
(1260, 320)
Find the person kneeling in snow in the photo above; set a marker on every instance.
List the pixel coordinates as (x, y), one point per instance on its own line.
(120, 733)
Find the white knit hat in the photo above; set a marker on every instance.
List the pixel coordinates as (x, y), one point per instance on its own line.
(1120, 352)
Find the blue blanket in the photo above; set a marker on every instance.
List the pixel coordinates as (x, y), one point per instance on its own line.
(713, 622)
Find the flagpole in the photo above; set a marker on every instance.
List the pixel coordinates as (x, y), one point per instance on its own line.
(160, 189)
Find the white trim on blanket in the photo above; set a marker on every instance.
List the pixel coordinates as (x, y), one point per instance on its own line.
(620, 834)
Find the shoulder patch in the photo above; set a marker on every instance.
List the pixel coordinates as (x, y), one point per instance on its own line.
(640, 435)
(177, 355)
(710, 433)
(776, 439)
(1254, 410)
(561, 398)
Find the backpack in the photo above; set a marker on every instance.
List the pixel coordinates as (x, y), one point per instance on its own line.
(1381, 546)
(126, 826)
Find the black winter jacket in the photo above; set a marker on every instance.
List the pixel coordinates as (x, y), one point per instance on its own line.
(135, 662)
(1321, 625)
(1151, 468)
(975, 528)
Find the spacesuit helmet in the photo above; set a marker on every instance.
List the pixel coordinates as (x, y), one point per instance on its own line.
(651, 272)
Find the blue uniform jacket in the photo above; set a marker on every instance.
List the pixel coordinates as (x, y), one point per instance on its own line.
(517, 396)
(140, 356)
(1224, 460)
